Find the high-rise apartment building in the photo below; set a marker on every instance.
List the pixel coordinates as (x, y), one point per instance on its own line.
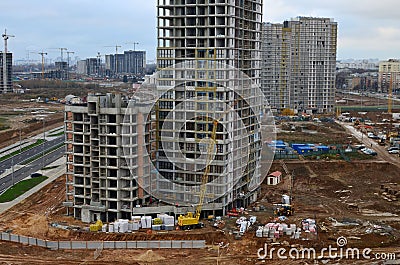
(205, 47)
(130, 62)
(389, 75)
(90, 66)
(299, 64)
(135, 62)
(107, 144)
(6, 72)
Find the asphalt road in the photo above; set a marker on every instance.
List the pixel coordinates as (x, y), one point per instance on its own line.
(18, 159)
(26, 171)
(370, 143)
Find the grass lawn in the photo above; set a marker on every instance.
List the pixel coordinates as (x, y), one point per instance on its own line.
(38, 142)
(20, 188)
(56, 134)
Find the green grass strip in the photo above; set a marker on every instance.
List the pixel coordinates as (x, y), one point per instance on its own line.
(56, 134)
(40, 155)
(37, 143)
(20, 188)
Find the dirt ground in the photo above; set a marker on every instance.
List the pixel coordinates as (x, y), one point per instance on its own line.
(315, 195)
(25, 121)
(345, 198)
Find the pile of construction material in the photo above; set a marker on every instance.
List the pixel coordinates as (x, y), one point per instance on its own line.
(309, 226)
(245, 224)
(277, 230)
(162, 222)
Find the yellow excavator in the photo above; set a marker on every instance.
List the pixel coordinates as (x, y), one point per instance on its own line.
(189, 220)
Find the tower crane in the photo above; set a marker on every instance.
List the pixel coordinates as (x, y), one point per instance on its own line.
(134, 44)
(98, 68)
(189, 220)
(61, 63)
(43, 54)
(5, 72)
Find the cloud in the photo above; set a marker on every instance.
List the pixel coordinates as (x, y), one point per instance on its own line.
(366, 28)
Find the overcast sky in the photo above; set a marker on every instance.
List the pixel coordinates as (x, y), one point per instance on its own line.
(367, 29)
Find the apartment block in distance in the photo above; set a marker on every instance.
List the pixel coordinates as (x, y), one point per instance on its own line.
(200, 42)
(389, 76)
(106, 157)
(299, 64)
(6, 72)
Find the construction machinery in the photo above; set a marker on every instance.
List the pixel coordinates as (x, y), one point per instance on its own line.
(285, 208)
(189, 220)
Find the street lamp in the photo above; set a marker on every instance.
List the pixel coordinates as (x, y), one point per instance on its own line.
(44, 140)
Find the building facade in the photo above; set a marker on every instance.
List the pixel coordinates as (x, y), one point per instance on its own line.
(6, 72)
(135, 62)
(205, 51)
(130, 62)
(107, 156)
(299, 64)
(389, 76)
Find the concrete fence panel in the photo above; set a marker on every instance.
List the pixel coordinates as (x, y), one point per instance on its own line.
(165, 244)
(78, 245)
(120, 244)
(131, 244)
(5, 236)
(187, 244)
(14, 238)
(32, 241)
(141, 244)
(109, 244)
(64, 244)
(176, 244)
(41, 243)
(199, 244)
(94, 244)
(24, 240)
(55, 245)
(52, 244)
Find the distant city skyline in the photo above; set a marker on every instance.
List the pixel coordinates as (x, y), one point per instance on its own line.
(367, 29)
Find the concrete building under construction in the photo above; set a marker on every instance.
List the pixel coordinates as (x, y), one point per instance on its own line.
(107, 142)
(205, 51)
(6, 72)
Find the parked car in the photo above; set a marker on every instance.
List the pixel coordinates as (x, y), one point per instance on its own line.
(394, 151)
(369, 151)
(393, 148)
(36, 175)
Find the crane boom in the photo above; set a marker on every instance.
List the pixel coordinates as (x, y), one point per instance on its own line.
(203, 186)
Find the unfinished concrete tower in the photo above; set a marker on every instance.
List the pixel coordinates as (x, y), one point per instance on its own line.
(106, 149)
(299, 64)
(208, 56)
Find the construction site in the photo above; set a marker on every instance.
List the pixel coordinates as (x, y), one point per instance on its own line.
(311, 201)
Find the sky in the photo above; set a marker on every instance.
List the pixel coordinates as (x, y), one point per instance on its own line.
(367, 28)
